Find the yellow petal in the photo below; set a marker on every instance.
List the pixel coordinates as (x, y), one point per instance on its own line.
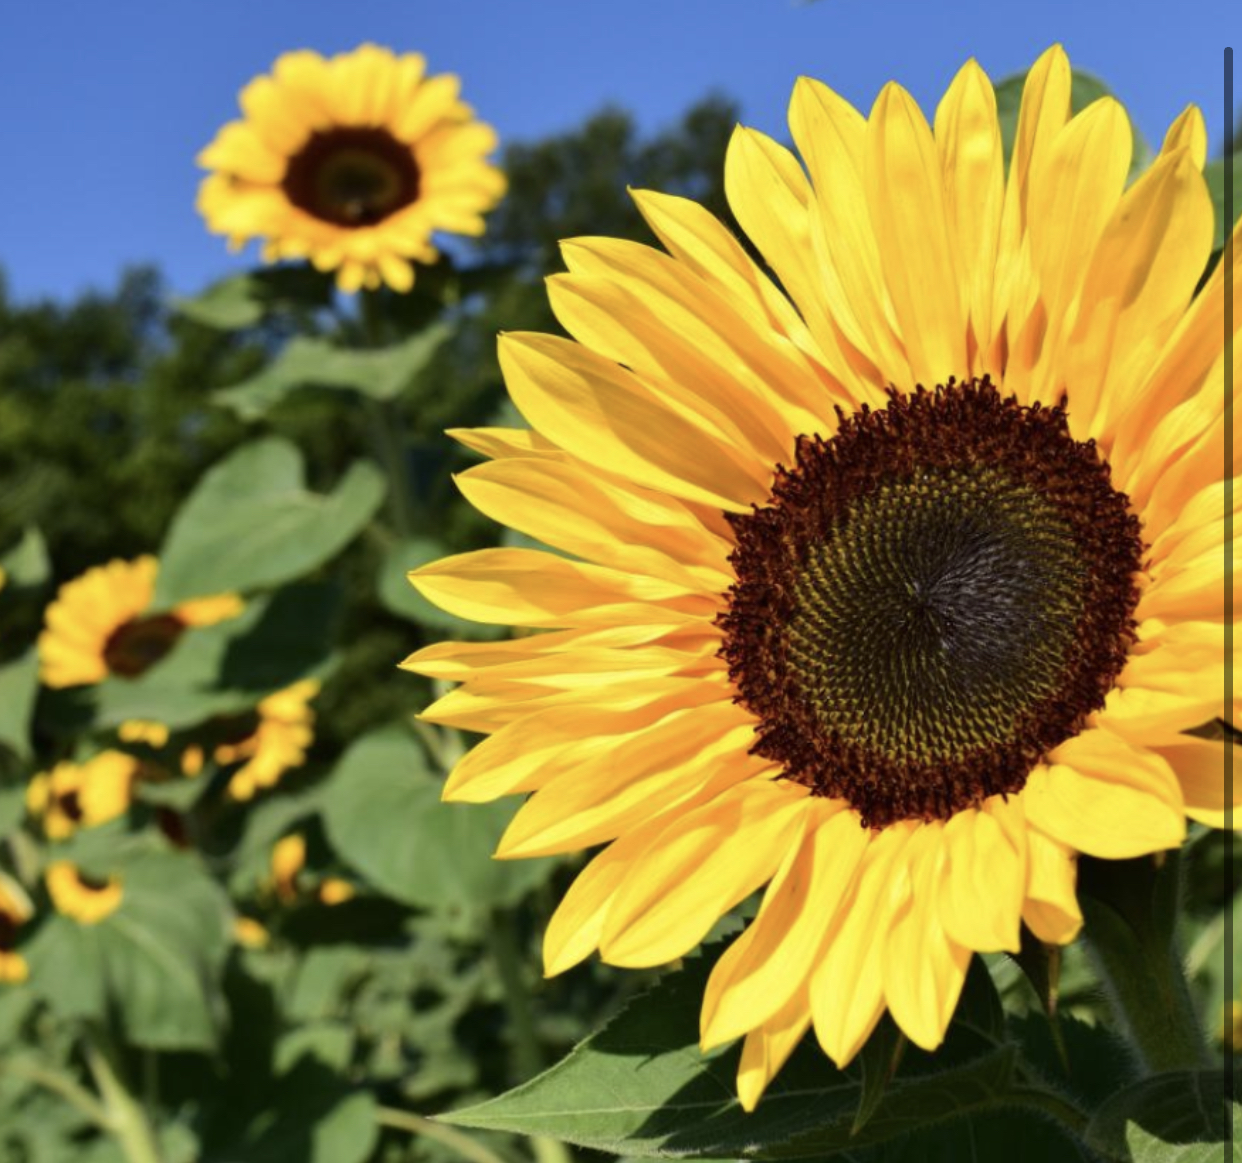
(603, 414)
(1051, 911)
(574, 931)
(847, 986)
(1210, 774)
(767, 1049)
(968, 140)
(771, 962)
(631, 529)
(1188, 132)
(498, 443)
(721, 853)
(605, 793)
(1139, 283)
(1074, 187)
(924, 968)
(1106, 798)
(832, 136)
(906, 195)
(985, 876)
(526, 587)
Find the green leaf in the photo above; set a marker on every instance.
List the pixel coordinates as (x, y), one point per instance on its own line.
(400, 598)
(156, 961)
(27, 565)
(383, 815)
(243, 300)
(641, 1087)
(19, 684)
(1214, 171)
(1085, 89)
(1177, 1117)
(251, 523)
(380, 374)
(313, 1117)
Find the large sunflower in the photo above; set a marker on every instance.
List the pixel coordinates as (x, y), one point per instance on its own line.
(898, 584)
(352, 162)
(100, 624)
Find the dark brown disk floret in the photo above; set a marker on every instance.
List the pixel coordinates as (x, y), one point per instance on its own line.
(931, 600)
(352, 176)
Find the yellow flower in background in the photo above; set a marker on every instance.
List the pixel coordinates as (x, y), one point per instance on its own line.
(277, 741)
(287, 861)
(80, 897)
(250, 933)
(99, 626)
(352, 162)
(81, 795)
(15, 911)
(335, 891)
(143, 731)
(895, 585)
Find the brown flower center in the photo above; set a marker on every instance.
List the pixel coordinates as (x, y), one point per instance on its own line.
(352, 176)
(139, 644)
(930, 601)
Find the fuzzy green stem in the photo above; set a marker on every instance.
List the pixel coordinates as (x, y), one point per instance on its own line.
(527, 1050)
(383, 420)
(1130, 908)
(126, 1117)
(59, 1084)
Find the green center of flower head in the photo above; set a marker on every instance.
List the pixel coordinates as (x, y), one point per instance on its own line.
(931, 600)
(352, 176)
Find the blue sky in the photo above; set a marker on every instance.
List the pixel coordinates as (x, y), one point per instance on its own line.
(106, 104)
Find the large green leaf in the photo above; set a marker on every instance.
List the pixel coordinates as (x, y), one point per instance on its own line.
(19, 684)
(383, 815)
(401, 598)
(1215, 174)
(243, 300)
(252, 523)
(641, 1087)
(382, 374)
(156, 961)
(1179, 1117)
(1085, 88)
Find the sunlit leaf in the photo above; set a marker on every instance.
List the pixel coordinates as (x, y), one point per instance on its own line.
(384, 817)
(381, 374)
(252, 523)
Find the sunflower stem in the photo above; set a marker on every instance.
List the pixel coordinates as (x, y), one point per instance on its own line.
(1131, 908)
(383, 420)
(502, 943)
(127, 1119)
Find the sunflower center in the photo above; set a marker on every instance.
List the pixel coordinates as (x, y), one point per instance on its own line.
(141, 643)
(352, 177)
(930, 601)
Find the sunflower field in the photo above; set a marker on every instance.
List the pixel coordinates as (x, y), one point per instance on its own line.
(776, 703)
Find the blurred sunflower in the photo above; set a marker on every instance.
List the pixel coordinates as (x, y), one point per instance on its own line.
(896, 586)
(272, 742)
(99, 626)
(81, 795)
(352, 162)
(15, 911)
(85, 899)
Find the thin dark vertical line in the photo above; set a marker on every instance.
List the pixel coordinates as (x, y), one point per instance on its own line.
(1227, 259)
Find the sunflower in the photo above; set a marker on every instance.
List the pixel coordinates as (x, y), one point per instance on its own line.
(99, 624)
(273, 742)
(83, 898)
(15, 911)
(352, 162)
(895, 586)
(81, 795)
